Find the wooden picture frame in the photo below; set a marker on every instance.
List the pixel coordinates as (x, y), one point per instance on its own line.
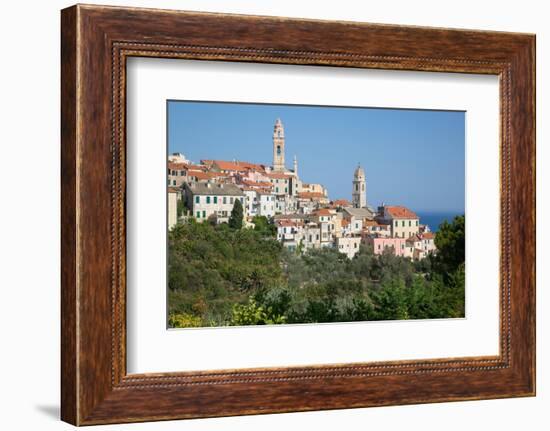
(95, 43)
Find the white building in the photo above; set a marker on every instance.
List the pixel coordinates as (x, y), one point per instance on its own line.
(266, 204)
(358, 218)
(217, 200)
(290, 233)
(172, 207)
(178, 158)
(348, 245)
(250, 201)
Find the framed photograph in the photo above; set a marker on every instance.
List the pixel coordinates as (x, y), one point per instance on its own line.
(265, 215)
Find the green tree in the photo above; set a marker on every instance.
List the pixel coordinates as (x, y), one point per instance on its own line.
(449, 241)
(236, 219)
(391, 301)
(254, 314)
(263, 225)
(181, 207)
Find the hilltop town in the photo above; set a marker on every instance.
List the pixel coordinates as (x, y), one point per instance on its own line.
(303, 214)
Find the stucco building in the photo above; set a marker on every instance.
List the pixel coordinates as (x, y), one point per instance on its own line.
(403, 222)
(205, 200)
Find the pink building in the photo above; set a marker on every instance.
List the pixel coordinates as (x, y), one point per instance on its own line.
(379, 244)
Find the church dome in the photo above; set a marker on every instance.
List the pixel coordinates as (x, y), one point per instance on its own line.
(359, 172)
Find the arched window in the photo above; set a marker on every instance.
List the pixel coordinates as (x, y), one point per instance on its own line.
(278, 149)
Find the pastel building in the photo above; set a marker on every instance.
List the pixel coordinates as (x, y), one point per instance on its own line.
(403, 222)
(374, 228)
(328, 217)
(312, 236)
(380, 244)
(177, 173)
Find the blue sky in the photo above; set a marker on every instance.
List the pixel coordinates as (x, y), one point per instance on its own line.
(411, 157)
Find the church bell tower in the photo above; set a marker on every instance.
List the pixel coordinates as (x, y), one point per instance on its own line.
(278, 146)
(359, 190)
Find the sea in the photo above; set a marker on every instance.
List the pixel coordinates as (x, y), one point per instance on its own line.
(434, 219)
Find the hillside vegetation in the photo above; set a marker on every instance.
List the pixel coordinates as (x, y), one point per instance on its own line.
(220, 275)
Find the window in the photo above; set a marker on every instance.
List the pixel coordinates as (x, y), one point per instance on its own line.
(182, 173)
(403, 223)
(395, 223)
(231, 200)
(174, 182)
(242, 200)
(225, 199)
(410, 223)
(204, 214)
(417, 222)
(276, 189)
(197, 199)
(278, 149)
(286, 189)
(379, 246)
(215, 199)
(198, 214)
(354, 245)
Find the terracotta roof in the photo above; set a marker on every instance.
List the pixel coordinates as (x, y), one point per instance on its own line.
(310, 195)
(177, 166)
(400, 212)
(234, 166)
(205, 175)
(345, 222)
(341, 203)
(428, 235)
(198, 167)
(278, 175)
(323, 212)
(173, 190)
(263, 184)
